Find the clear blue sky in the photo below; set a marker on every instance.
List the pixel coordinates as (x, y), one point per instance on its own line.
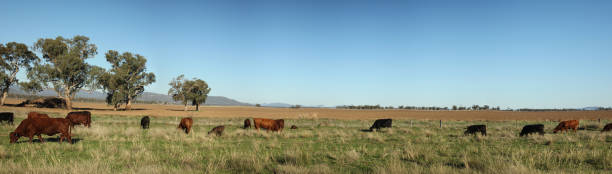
(550, 54)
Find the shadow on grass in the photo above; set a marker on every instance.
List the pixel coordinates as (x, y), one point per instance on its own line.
(47, 140)
(366, 130)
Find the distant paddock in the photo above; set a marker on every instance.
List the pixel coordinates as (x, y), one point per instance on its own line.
(312, 113)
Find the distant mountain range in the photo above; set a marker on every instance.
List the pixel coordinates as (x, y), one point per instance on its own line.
(145, 97)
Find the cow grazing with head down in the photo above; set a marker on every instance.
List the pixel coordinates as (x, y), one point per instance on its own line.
(473, 129)
(533, 128)
(381, 123)
(606, 128)
(82, 117)
(217, 130)
(144, 122)
(186, 124)
(33, 115)
(247, 124)
(269, 124)
(38, 126)
(7, 116)
(565, 125)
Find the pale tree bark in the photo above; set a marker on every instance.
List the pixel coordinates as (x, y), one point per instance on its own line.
(4, 95)
(68, 98)
(8, 86)
(128, 105)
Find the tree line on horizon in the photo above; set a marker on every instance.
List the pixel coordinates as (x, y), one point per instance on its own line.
(64, 69)
(433, 108)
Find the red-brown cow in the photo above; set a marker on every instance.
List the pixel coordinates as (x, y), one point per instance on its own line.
(186, 124)
(565, 125)
(37, 115)
(269, 124)
(82, 117)
(38, 126)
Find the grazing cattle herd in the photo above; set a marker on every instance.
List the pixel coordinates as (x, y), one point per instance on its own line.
(38, 124)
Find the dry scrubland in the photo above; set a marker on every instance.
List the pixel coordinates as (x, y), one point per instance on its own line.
(116, 144)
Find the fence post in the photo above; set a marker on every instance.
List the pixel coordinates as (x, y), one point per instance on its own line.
(440, 123)
(410, 123)
(599, 120)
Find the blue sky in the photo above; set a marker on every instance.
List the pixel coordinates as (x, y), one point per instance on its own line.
(546, 54)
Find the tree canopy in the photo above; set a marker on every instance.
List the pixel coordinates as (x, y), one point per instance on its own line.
(13, 57)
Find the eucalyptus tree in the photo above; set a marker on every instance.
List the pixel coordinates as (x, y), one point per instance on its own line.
(126, 79)
(13, 57)
(64, 67)
(177, 92)
(189, 91)
(197, 92)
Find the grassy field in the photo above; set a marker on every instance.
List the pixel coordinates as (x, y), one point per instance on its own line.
(116, 144)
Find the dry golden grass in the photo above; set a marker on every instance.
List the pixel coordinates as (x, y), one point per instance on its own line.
(315, 113)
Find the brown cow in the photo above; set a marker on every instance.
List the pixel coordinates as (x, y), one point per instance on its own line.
(186, 124)
(606, 128)
(217, 130)
(247, 124)
(565, 125)
(269, 124)
(37, 115)
(82, 117)
(38, 126)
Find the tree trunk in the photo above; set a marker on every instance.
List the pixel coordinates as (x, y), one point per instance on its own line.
(128, 106)
(185, 106)
(197, 107)
(4, 95)
(68, 103)
(67, 98)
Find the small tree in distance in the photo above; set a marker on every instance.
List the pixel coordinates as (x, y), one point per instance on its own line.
(194, 91)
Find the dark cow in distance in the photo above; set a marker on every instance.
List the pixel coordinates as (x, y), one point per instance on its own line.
(293, 127)
(607, 128)
(269, 124)
(217, 130)
(247, 124)
(186, 124)
(565, 125)
(144, 122)
(81, 117)
(533, 128)
(473, 129)
(7, 116)
(33, 115)
(38, 126)
(381, 123)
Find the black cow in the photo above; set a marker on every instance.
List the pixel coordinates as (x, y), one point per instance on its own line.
(381, 123)
(473, 129)
(144, 122)
(7, 116)
(532, 128)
